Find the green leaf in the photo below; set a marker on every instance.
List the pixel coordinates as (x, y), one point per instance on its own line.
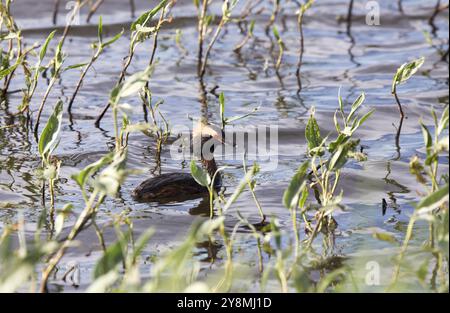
(114, 95)
(45, 46)
(240, 188)
(59, 221)
(110, 179)
(276, 33)
(385, 237)
(201, 176)
(341, 139)
(59, 56)
(101, 284)
(147, 16)
(443, 122)
(312, 133)
(91, 169)
(338, 159)
(135, 82)
(336, 123)
(303, 198)
(251, 28)
(232, 119)
(74, 66)
(362, 120)
(406, 71)
(341, 102)
(355, 106)
(49, 136)
(113, 255)
(12, 68)
(427, 139)
(296, 186)
(113, 39)
(433, 201)
(100, 29)
(142, 242)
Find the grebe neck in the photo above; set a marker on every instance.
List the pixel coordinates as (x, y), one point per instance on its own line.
(211, 167)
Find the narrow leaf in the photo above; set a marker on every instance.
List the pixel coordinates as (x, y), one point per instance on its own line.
(200, 175)
(49, 136)
(296, 186)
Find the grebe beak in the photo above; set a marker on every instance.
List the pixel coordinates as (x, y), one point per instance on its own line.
(203, 130)
(214, 132)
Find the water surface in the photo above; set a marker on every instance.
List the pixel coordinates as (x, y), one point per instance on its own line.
(356, 59)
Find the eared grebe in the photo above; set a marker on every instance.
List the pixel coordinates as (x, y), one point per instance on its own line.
(182, 186)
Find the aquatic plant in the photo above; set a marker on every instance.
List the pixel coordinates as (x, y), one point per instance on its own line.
(247, 37)
(327, 160)
(301, 13)
(108, 182)
(278, 253)
(224, 120)
(32, 75)
(158, 125)
(18, 264)
(93, 8)
(48, 142)
(140, 31)
(404, 72)
(433, 207)
(14, 34)
(99, 47)
(281, 48)
(273, 17)
(57, 62)
(203, 24)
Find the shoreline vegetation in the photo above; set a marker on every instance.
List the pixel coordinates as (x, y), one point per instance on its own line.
(284, 257)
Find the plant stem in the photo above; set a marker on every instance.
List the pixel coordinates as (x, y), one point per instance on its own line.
(94, 9)
(41, 106)
(201, 35)
(402, 115)
(408, 236)
(82, 219)
(55, 11)
(80, 81)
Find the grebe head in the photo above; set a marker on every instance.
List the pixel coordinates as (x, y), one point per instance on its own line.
(204, 137)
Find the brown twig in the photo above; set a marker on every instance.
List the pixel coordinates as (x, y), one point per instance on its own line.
(55, 11)
(94, 9)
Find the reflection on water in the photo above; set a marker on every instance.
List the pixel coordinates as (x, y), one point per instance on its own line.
(340, 50)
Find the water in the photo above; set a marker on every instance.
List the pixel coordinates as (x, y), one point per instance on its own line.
(362, 58)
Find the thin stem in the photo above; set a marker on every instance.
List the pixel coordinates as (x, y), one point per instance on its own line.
(408, 237)
(55, 11)
(80, 81)
(273, 17)
(242, 43)
(402, 115)
(252, 191)
(44, 100)
(210, 45)
(82, 219)
(296, 232)
(94, 9)
(132, 8)
(120, 80)
(280, 55)
(201, 34)
(51, 185)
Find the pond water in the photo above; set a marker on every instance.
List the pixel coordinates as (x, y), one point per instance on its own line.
(355, 59)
